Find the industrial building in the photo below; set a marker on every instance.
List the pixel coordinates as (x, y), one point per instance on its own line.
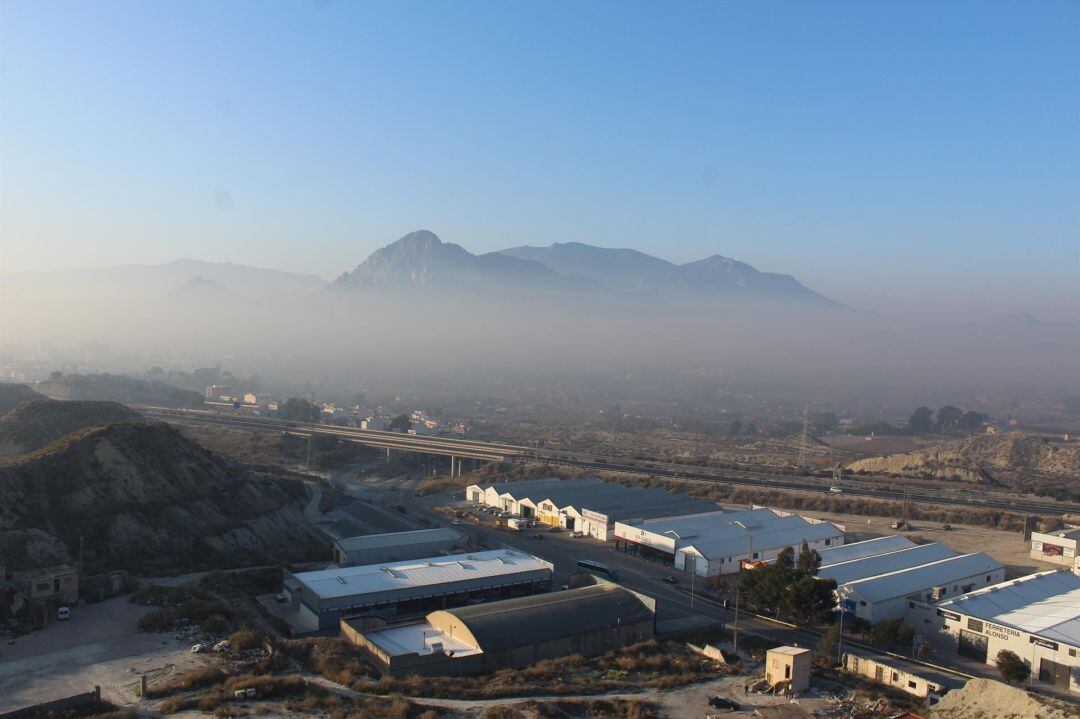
(713, 543)
(1037, 617)
(396, 546)
(318, 600)
(1058, 547)
(515, 632)
(865, 548)
(887, 594)
(788, 668)
(855, 570)
(916, 680)
(589, 505)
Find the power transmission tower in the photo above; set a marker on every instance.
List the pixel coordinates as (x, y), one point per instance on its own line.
(805, 439)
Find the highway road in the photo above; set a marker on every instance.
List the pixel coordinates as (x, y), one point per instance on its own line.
(494, 451)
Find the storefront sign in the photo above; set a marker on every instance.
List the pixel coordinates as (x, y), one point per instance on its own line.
(948, 615)
(1046, 643)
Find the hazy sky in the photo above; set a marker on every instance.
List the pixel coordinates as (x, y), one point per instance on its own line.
(910, 156)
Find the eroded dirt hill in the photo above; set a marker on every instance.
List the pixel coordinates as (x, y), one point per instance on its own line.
(33, 425)
(1015, 460)
(143, 497)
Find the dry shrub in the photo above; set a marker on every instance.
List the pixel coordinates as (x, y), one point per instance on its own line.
(246, 639)
(194, 679)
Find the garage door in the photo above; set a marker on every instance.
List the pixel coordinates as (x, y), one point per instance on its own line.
(1052, 672)
(972, 645)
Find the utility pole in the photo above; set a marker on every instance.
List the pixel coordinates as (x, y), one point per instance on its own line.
(840, 640)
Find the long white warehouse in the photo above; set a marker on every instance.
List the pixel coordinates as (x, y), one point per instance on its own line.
(321, 598)
(716, 543)
(1037, 617)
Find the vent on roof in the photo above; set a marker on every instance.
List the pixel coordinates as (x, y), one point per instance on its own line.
(749, 524)
(340, 579)
(465, 565)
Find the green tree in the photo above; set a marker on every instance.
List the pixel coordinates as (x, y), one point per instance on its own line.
(810, 599)
(892, 634)
(56, 375)
(971, 420)
(1011, 667)
(919, 421)
(808, 563)
(300, 410)
(949, 416)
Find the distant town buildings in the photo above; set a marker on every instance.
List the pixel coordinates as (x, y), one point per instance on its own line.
(1056, 547)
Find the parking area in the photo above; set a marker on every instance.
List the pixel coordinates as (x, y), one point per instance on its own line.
(99, 645)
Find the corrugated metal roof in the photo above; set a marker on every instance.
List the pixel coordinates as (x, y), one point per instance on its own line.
(696, 526)
(529, 620)
(349, 581)
(1047, 604)
(915, 556)
(865, 548)
(919, 579)
(400, 539)
(770, 537)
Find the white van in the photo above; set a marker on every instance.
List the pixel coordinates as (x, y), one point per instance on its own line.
(63, 613)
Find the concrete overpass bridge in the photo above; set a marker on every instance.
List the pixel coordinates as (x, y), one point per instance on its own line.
(454, 448)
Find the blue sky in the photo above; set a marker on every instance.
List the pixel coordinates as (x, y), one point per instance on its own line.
(905, 157)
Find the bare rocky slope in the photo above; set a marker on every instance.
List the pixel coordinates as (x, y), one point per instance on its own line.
(145, 498)
(1015, 460)
(12, 395)
(33, 425)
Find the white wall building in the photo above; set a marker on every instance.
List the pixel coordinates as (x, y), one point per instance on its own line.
(1056, 547)
(713, 543)
(887, 596)
(1037, 617)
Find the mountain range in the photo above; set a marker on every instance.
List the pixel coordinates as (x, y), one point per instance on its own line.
(420, 260)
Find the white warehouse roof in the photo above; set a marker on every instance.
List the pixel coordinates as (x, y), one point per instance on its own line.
(693, 526)
(788, 536)
(865, 548)
(888, 563)
(917, 579)
(1047, 604)
(399, 539)
(349, 581)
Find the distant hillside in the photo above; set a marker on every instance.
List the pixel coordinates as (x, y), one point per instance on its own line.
(147, 282)
(420, 260)
(1015, 460)
(36, 424)
(12, 395)
(624, 270)
(117, 388)
(143, 497)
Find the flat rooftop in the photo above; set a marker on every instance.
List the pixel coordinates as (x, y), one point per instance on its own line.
(389, 576)
(399, 539)
(1047, 604)
(418, 639)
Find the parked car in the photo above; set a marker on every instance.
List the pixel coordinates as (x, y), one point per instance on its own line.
(456, 523)
(280, 598)
(723, 703)
(835, 490)
(223, 646)
(197, 648)
(576, 535)
(669, 580)
(63, 613)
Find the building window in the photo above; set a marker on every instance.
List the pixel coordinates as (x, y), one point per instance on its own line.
(755, 555)
(1072, 652)
(862, 603)
(896, 676)
(911, 685)
(828, 542)
(43, 586)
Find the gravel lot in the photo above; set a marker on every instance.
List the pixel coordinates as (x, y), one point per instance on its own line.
(99, 645)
